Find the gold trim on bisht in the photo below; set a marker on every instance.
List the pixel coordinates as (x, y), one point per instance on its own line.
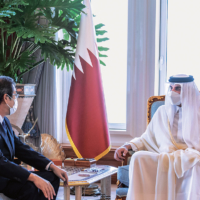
(135, 145)
(177, 145)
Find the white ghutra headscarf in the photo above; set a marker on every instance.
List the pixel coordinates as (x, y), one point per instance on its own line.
(190, 101)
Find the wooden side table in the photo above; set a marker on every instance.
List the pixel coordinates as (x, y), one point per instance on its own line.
(104, 177)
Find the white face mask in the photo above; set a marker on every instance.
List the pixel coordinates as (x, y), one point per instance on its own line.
(175, 98)
(14, 108)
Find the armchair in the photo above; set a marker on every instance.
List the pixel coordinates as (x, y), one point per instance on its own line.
(123, 172)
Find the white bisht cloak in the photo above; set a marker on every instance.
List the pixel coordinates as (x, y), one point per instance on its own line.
(164, 170)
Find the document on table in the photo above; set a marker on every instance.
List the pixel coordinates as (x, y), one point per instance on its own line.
(80, 176)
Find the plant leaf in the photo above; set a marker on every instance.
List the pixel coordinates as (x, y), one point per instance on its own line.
(101, 62)
(102, 39)
(98, 26)
(100, 32)
(103, 48)
(102, 55)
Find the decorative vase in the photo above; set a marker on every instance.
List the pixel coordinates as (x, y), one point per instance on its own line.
(26, 95)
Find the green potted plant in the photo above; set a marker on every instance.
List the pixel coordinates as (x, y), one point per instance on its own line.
(27, 26)
(30, 25)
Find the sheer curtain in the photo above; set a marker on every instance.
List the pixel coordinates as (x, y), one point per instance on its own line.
(63, 83)
(142, 66)
(142, 60)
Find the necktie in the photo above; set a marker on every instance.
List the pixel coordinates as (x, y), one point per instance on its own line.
(4, 126)
(7, 137)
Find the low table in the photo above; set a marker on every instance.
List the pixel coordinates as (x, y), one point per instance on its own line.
(82, 176)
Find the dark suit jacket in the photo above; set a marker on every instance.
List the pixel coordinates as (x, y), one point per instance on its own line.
(8, 169)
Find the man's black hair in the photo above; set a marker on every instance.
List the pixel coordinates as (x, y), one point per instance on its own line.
(6, 86)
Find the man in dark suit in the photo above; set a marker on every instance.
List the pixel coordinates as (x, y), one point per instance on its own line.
(15, 181)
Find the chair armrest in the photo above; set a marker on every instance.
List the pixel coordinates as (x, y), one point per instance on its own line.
(131, 152)
(122, 174)
(127, 157)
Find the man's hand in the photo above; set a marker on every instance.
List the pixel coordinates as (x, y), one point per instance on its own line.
(43, 185)
(60, 173)
(121, 152)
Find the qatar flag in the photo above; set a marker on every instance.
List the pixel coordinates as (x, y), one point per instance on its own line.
(86, 119)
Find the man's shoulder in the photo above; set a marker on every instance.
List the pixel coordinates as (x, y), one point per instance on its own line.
(158, 113)
(160, 110)
(7, 121)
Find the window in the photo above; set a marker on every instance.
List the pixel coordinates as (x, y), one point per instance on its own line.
(127, 78)
(114, 74)
(182, 32)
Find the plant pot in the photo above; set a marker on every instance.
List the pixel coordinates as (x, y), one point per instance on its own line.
(26, 95)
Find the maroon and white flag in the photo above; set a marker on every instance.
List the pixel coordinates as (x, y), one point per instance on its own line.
(86, 119)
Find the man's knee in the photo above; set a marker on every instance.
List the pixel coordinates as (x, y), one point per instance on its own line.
(29, 191)
(140, 155)
(53, 178)
(56, 180)
(30, 186)
(47, 175)
(143, 157)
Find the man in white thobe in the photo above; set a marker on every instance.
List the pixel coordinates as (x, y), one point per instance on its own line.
(166, 165)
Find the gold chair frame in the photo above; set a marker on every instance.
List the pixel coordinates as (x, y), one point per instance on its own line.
(150, 101)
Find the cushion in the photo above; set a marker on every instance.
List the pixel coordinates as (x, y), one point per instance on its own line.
(3, 197)
(123, 174)
(155, 105)
(121, 192)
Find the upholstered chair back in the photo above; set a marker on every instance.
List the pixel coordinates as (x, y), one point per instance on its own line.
(153, 104)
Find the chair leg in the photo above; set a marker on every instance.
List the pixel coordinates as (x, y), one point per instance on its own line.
(120, 185)
(120, 198)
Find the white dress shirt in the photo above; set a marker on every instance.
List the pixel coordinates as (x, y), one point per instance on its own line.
(47, 167)
(176, 128)
(1, 119)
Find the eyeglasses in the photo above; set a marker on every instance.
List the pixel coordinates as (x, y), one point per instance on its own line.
(16, 95)
(176, 88)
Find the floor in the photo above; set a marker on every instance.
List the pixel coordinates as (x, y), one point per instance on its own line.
(72, 197)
